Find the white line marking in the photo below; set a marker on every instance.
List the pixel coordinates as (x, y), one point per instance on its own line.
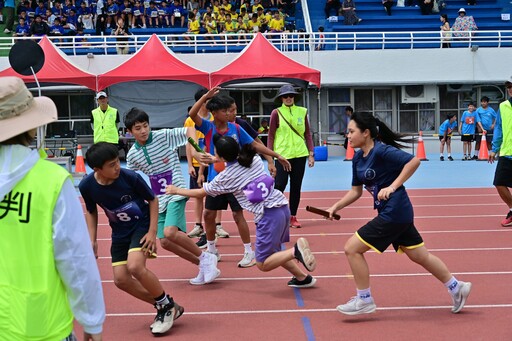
(302, 311)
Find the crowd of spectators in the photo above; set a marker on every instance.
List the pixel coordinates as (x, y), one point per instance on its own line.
(69, 17)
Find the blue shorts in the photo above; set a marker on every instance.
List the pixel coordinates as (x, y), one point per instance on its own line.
(272, 230)
(174, 215)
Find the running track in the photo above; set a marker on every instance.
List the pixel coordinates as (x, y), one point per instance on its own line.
(461, 226)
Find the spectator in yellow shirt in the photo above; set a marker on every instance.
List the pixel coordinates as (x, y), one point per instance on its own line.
(276, 23)
(254, 24)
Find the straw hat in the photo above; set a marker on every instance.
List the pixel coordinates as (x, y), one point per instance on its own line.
(286, 89)
(20, 111)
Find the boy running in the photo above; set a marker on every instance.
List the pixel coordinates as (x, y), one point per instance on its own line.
(156, 154)
(131, 209)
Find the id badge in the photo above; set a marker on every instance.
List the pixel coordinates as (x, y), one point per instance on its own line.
(160, 181)
(259, 189)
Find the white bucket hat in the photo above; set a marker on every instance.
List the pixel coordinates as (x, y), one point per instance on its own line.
(20, 111)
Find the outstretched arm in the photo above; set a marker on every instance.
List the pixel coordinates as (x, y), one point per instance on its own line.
(352, 195)
(194, 111)
(191, 193)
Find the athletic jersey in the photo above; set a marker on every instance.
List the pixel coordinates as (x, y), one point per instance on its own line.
(249, 185)
(200, 136)
(468, 120)
(447, 127)
(486, 117)
(378, 170)
(209, 130)
(159, 160)
(124, 202)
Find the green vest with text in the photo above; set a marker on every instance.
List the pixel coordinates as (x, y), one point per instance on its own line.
(33, 299)
(286, 142)
(105, 127)
(506, 128)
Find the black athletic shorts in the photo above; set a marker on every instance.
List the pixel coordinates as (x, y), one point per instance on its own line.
(503, 174)
(193, 181)
(119, 250)
(467, 138)
(378, 234)
(220, 203)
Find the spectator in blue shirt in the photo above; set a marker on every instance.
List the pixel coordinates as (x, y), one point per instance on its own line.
(41, 10)
(152, 15)
(112, 13)
(486, 116)
(138, 17)
(57, 29)
(22, 30)
(58, 10)
(126, 11)
(445, 135)
(178, 12)
(467, 130)
(164, 12)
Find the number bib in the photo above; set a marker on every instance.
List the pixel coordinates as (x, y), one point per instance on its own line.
(470, 120)
(124, 214)
(160, 181)
(374, 191)
(259, 189)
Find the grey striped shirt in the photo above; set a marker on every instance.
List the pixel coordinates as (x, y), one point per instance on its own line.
(158, 156)
(235, 178)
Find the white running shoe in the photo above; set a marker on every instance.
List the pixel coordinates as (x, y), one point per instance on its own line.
(209, 268)
(220, 232)
(304, 255)
(196, 231)
(248, 260)
(199, 279)
(356, 306)
(217, 254)
(459, 299)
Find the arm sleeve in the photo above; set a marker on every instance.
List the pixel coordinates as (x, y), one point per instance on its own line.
(75, 261)
(273, 125)
(308, 136)
(497, 138)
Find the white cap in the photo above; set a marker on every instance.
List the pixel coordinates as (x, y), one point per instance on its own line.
(101, 94)
(462, 10)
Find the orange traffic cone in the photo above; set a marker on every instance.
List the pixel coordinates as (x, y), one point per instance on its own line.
(349, 155)
(483, 153)
(79, 161)
(420, 153)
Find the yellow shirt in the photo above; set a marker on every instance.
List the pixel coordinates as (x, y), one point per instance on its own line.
(226, 7)
(211, 27)
(277, 25)
(200, 136)
(193, 26)
(231, 27)
(253, 26)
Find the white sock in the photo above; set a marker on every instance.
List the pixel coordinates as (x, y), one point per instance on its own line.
(365, 295)
(449, 154)
(211, 246)
(163, 301)
(442, 155)
(452, 285)
(202, 257)
(247, 247)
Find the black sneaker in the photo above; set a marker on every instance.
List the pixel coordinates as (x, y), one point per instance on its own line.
(450, 158)
(474, 157)
(304, 255)
(307, 282)
(202, 242)
(441, 158)
(165, 317)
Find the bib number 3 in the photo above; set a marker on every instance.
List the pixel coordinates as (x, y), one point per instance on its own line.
(160, 181)
(259, 189)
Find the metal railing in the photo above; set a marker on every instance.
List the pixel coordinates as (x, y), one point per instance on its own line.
(288, 41)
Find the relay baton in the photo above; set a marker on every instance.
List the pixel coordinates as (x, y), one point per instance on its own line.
(322, 212)
(195, 145)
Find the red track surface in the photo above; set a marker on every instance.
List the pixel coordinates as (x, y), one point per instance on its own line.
(461, 226)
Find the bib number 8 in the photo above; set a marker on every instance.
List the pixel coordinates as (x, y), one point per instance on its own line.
(122, 216)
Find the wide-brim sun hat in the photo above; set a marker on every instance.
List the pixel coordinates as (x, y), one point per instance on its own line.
(508, 81)
(20, 111)
(286, 89)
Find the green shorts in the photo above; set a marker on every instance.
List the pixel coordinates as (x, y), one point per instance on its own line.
(174, 215)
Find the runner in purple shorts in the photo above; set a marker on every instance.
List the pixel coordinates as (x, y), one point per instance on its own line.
(245, 177)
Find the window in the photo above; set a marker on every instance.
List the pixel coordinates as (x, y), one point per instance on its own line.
(417, 116)
(379, 102)
(338, 99)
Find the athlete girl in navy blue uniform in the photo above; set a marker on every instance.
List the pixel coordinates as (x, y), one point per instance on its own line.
(382, 168)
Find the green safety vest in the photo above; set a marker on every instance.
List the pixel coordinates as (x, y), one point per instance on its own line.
(286, 142)
(33, 299)
(506, 128)
(105, 127)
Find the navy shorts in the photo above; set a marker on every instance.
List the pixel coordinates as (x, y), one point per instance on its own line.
(379, 233)
(193, 181)
(220, 203)
(503, 174)
(119, 250)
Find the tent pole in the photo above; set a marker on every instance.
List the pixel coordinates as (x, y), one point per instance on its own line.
(319, 118)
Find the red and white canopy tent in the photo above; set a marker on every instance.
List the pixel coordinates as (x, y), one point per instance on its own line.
(56, 69)
(260, 61)
(154, 61)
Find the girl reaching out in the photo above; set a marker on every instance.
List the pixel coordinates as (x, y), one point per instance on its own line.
(245, 177)
(383, 168)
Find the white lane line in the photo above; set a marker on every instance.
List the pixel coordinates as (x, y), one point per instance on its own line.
(347, 276)
(302, 311)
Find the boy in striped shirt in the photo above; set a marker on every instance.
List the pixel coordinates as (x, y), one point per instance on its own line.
(156, 154)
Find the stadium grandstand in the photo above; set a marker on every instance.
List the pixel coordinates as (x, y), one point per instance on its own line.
(401, 67)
